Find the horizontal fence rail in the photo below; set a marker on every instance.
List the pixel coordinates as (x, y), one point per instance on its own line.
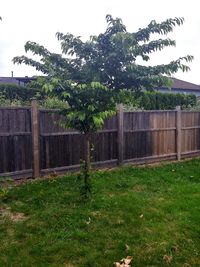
(32, 142)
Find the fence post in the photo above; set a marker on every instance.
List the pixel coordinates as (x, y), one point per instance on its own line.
(178, 132)
(120, 116)
(35, 138)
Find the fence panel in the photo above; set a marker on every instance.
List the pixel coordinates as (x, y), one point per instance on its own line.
(15, 142)
(190, 123)
(136, 137)
(149, 134)
(65, 147)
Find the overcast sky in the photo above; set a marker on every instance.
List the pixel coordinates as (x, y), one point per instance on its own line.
(39, 20)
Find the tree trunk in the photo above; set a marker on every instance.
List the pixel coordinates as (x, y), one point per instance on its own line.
(87, 163)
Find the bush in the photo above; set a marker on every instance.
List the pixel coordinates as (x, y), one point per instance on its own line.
(194, 108)
(162, 101)
(16, 96)
(52, 103)
(4, 102)
(13, 92)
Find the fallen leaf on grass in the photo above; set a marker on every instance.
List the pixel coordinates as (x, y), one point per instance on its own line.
(13, 216)
(124, 262)
(128, 260)
(89, 221)
(127, 248)
(174, 249)
(167, 259)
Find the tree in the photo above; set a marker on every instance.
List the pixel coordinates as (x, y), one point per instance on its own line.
(93, 76)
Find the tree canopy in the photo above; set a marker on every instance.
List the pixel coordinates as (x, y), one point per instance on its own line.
(110, 57)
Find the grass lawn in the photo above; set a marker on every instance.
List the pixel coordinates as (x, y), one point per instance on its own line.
(151, 213)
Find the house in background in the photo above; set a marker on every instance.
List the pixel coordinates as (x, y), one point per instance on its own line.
(22, 81)
(181, 87)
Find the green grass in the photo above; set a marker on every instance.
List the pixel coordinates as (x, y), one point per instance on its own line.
(153, 210)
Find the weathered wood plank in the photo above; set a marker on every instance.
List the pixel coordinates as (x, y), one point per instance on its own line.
(120, 133)
(178, 132)
(35, 138)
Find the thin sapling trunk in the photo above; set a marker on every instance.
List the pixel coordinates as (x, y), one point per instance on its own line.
(87, 164)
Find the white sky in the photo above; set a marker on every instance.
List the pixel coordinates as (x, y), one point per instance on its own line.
(39, 20)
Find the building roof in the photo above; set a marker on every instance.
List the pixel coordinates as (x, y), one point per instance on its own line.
(180, 84)
(16, 80)
(8, 80)
(177, 84)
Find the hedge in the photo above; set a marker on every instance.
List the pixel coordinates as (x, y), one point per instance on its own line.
(142, 100)
(162, 101)
(16, 92)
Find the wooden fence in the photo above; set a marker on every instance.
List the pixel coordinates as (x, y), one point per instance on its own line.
(32, 143)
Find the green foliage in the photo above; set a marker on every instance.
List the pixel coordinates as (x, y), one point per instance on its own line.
(15, 95)
(195, 107)
(6, 184)
(14, 92)
(5, 102)
(110, 57)
(90, 105)
(90, 76)
(52, 103)
(162, 101)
